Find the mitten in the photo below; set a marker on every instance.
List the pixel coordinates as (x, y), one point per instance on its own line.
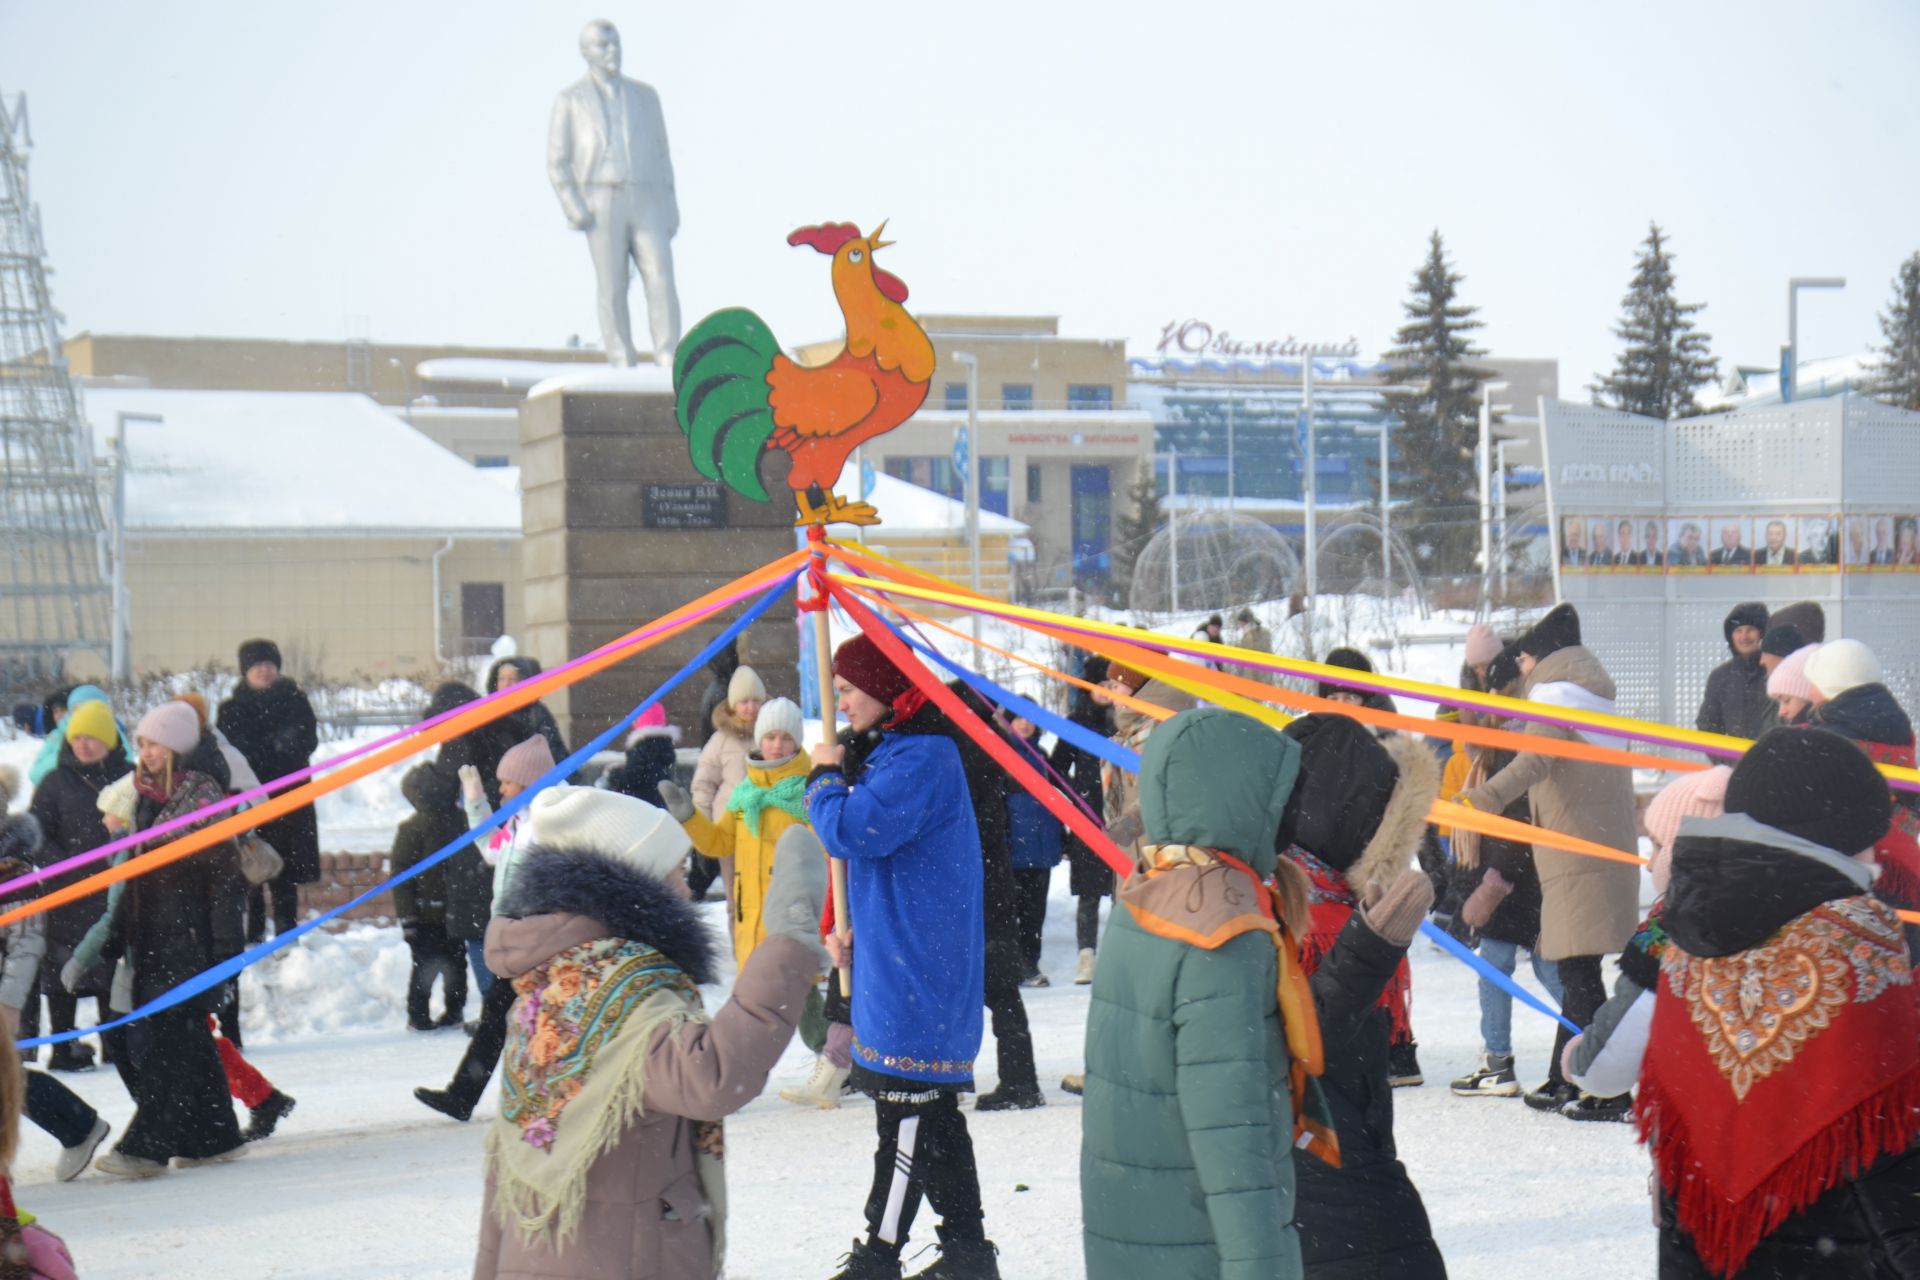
(471, 788)
(675, 800)
(798, 891)
(1395, 912)
(1485, 899)
(72, 974)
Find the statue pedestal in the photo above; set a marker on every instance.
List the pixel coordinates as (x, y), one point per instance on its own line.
(620, 529)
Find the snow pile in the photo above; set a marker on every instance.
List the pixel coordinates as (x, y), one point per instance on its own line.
(327, 983)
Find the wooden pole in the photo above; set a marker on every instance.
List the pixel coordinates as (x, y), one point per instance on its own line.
(829, 730)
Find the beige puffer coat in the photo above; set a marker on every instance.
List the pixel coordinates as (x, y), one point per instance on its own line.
(723, 763)
(1589, 906)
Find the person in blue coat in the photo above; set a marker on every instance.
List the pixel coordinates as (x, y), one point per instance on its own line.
(904, 823)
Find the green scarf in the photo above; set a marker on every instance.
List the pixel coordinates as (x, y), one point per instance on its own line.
(787, 795)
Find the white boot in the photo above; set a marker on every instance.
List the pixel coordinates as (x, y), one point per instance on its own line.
(822, 1088)
(1084, 973)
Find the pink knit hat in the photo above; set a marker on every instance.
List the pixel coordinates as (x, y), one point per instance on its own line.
(653, 724)
(171, 724)
(1482, 644)
(1789, 679)
(526, 763)
(1691, 795)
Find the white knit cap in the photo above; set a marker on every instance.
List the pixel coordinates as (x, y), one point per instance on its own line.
(782, 715)
(631, 831)
(117, 799)
(745, 686)
(1841, 665)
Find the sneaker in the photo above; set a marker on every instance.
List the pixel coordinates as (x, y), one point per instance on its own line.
(118, 1164)
(276, 1107)
(1007, 1098)
(821, 1089)
(444, 1101)
(963, 1260)
(1075, 1084)
(1618, 1108)
(1551, 1096)
(194, 1162)
(75, 1159)
(1083, 972)
(1035, 979)
(1403, 1065)
(868, 1262)
(1493, 1078)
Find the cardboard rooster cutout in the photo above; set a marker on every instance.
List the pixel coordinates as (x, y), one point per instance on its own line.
(738, 398)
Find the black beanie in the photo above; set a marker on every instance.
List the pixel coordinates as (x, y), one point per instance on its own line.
(255, 652)
(1816, 785)
(1352, 660)
(1560, 629)
(1751, 614)
(1504, 670)
(1782, 638)
(1806, 615)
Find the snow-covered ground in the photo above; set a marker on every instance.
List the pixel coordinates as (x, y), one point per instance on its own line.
(364, 1182)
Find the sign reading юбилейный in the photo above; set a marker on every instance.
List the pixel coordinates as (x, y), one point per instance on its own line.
(684, 506)
(1198, 338)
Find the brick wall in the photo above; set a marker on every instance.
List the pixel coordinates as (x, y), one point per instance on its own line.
(344, 877)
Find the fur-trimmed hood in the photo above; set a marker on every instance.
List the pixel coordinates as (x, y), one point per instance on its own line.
(552, 880)
(725, 721)
(1361, 802)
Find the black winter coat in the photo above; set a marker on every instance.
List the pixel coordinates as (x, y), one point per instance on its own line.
(1088, 876)
(183, 918)
(1736, 699)
(1517, 918)
(65, 806)
(437, 820)
(532, 718)
(275, 730)
(1364, 1219)
(649, 763)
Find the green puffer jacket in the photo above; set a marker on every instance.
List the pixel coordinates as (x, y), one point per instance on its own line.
(1186, 1166)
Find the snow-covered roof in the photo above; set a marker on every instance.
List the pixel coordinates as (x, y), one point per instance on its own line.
(1813, 380)
(604, 378)
(258, 462)
(515, 375)
(907, 509)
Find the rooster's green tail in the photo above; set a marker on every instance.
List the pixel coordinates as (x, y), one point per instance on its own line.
(720, 397)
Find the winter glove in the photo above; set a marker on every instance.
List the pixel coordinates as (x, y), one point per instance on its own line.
(72, 975)
(1127, 828)
(798, 891)
(1485, 899)
(676, 801)
(472, 789)
(1394, 912)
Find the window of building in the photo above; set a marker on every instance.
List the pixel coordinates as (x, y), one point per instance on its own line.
(956, 395)
(935, 472)
(995, 479)
(1089, 395)
(1033, 482)
(491, 460)
(1016, 395)
(483, 616)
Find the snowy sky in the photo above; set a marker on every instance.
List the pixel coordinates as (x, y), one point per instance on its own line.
(271, 170)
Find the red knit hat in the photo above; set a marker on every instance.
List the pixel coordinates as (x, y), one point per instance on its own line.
(861, 664)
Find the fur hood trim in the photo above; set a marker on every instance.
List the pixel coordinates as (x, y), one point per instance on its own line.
(630, 903)
(1404, 823)
(726, 722)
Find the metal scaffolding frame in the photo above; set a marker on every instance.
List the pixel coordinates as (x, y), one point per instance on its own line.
(54, 599)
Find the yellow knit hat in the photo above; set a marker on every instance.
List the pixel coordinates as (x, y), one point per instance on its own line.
(92, 720)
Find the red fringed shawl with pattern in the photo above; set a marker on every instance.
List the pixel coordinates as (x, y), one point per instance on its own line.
(1331, 903)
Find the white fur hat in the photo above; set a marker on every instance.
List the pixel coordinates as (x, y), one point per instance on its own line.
(1841, 665)
(627, 830)
(782, 715)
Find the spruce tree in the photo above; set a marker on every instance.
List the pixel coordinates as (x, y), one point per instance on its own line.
(1666, 358)
(1897, 375)
(1439, 410)
(1135, 529)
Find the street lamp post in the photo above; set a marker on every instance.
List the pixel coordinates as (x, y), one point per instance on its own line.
(1312, 492)
(975, 457)
(1790, 367)
(1485, 461)
(120, 660)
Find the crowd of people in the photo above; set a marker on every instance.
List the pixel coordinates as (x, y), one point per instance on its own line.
(1251, 1006)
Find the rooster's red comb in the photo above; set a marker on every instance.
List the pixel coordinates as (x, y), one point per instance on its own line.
(827, 237)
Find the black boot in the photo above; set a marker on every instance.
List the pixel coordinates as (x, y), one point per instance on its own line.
(1551, 1096)
(1008, 1098)
(868, 1262)
(974, 1259)
(70, 1055)
(1403, 1065)
(446, 1102)
(1618, 1109)
(276, 1107)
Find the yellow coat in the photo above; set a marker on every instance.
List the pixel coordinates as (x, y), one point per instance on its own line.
(749, 857)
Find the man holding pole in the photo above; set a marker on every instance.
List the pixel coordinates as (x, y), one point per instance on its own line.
(904, 825)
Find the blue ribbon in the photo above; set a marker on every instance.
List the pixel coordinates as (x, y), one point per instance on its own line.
(226, 969)
(1476, 962)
